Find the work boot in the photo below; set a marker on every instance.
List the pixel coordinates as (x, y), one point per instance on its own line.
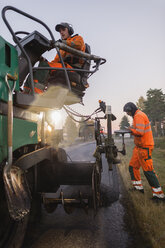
(157, 199)
(137, 190)
(86, 85)
(116, 161)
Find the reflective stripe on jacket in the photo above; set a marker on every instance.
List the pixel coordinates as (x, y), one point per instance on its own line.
(76, 42)
(142, 130)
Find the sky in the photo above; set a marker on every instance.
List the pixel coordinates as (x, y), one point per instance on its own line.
(129, 34)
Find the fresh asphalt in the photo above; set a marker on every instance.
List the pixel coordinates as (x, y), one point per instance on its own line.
(110, 228)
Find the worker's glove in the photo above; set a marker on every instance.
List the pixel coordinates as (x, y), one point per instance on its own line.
(59, 40)
(59, 43)
(62, 41)
(51, 44)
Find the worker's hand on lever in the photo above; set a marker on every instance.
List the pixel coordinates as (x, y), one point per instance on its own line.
(59, 40)
(128, 128)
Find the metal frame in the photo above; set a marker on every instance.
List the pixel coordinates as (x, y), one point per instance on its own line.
(21, 47)
(28, 160)
(53, 44)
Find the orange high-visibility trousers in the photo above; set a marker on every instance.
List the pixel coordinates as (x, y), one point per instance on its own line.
(142, 157)
(38, 88)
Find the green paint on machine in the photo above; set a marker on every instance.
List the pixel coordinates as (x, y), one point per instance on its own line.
(24, 133)
(8, 64)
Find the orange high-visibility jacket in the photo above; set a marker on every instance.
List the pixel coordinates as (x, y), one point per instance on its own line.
(142, 130)
(76, 42)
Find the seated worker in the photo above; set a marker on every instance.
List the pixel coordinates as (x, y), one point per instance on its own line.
(75, 41)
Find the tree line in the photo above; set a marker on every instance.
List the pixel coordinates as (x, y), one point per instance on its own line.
(154, 106)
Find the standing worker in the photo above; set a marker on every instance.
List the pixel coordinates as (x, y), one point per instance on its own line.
(142, 152)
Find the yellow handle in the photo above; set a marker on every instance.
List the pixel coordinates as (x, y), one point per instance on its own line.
(10, 77)
(10, 123)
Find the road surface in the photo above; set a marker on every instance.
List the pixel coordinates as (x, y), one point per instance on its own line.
(110, 228)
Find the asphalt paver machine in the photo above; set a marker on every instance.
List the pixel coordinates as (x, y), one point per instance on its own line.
(31, 170)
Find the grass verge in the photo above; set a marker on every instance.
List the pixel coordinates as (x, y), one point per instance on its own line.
(150, 216)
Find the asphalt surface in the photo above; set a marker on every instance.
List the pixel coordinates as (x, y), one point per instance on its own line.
(109, 228)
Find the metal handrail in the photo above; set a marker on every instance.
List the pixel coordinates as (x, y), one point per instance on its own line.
(78, 52)
(53, 44)
(17, 41)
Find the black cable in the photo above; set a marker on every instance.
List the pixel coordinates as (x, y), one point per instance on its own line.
(75, 119)
(80, 115)
(71, 112)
